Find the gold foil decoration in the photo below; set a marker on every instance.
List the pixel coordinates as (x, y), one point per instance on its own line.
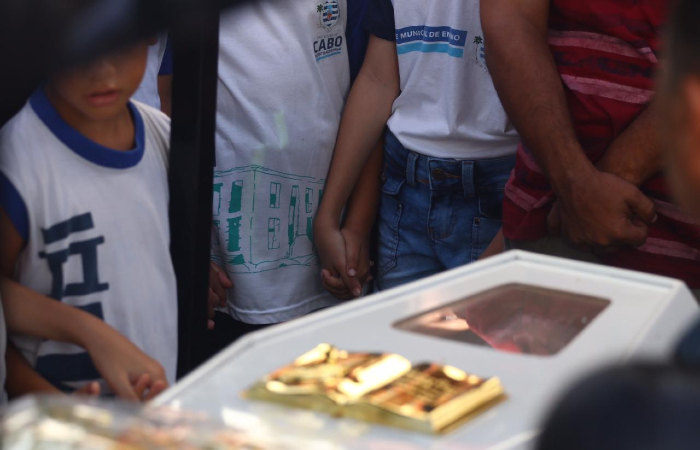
(379, 388)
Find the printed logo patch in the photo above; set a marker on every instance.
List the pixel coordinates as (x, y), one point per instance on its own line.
(431, 40)
(328, 13)
(480, 53)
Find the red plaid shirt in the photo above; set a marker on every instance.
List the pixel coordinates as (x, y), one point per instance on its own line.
(606, 53)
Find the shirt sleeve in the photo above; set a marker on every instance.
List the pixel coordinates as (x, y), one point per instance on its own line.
(12, 203)
(355, 35)
(166, 66)
(379, 19)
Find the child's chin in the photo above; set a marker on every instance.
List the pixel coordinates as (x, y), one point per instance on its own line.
(105, 112)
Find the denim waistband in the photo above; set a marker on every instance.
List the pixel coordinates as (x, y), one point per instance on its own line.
(467, 176)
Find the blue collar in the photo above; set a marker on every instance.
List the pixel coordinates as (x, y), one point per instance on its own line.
(90, 150)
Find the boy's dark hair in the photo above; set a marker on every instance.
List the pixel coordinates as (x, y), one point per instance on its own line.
(683, 43)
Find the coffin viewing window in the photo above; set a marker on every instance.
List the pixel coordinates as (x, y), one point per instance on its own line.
(515, 318)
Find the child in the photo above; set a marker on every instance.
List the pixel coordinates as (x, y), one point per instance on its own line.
(282, 86)
(129, 372)
(449, 146)
(85, 221)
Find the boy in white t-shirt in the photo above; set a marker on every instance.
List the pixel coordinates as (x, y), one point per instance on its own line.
(84, 216)
(449, 149)
(284, 74)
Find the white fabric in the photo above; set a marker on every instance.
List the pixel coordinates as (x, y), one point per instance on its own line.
(148, 90)
(448, 107)
(283, 79)
(128, 208)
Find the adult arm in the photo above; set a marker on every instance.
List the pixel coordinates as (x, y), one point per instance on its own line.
(636, 155)
(596, 208)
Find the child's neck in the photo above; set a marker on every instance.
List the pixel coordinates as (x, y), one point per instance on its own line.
(117, 132)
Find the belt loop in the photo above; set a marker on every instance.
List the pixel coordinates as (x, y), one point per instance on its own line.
(411, 168)
(468, 182)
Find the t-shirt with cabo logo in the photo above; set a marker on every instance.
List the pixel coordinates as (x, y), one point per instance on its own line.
(284, 74)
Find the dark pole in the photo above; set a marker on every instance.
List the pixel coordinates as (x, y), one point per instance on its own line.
(195, 43)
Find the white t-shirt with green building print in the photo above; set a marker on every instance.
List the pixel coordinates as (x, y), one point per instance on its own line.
(283, 79)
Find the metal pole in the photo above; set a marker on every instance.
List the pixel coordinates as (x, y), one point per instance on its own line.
(195, 41)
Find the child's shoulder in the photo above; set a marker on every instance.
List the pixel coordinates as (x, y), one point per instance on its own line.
(24, 136)
(156, 125)
(154, 119)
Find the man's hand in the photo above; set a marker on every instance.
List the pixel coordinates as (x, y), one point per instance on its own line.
(600, 211)
(218, 283)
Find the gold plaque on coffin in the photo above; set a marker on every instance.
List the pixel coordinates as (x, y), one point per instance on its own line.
(378, 388)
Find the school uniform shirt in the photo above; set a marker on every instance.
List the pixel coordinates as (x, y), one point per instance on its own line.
(159, 63)
(607, 53)
(448, 106)
(95, 226)
(284, 74)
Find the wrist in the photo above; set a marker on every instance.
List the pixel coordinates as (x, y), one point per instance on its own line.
(327, 218)
(87, 331)
(571, 176)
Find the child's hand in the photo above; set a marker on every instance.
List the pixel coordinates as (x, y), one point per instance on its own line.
(145, 389)
(130, 373)
(345, 258)
(218, 283)
(91, 389)
(357, 258)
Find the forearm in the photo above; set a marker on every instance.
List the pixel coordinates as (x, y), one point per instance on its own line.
(22, 379)
(364, 201)
(30, 313)
(636, 155)
(366, 113)
(534, 99)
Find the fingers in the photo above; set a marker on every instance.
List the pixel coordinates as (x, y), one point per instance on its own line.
(142, 384)
(352, 258)
(219, 282)
(642, 206)
(213, 302)
(636, 234)
(352, 284)
(224, 279)
(157, 388)
(363, 271)
(335, 286)
(91, 389)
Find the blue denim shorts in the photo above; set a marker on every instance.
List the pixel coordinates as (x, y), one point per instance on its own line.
(435, 214)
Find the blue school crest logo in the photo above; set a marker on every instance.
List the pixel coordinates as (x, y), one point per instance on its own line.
(328, 13)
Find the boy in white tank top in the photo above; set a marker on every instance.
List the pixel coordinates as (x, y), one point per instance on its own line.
(83, 175)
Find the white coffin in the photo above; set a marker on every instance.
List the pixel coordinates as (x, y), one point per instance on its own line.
(642, 317)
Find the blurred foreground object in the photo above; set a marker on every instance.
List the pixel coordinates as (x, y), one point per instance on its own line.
(631, 408)
(81, 424)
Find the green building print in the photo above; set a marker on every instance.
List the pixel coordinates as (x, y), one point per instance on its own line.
(265, 217)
